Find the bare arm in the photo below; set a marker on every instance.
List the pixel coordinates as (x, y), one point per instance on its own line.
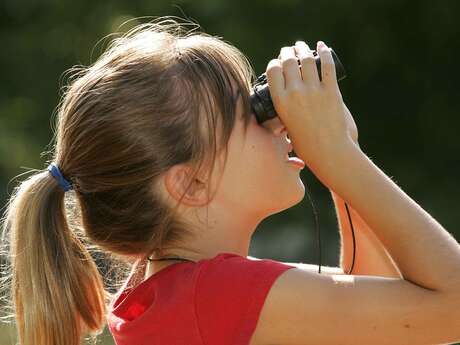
(421, 308)
(371, 258)
(320, 128)
(425, 253)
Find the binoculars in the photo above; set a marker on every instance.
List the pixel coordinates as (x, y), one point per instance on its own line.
(261, 102)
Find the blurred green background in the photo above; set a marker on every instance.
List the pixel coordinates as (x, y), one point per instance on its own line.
(401, 64)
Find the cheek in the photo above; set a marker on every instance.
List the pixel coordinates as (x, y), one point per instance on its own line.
(255, 168)
(264, 160)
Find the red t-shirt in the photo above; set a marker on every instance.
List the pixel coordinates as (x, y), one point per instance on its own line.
(211, 302)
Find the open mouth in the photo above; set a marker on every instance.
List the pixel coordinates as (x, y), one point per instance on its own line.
(291, 158)
(290, 152)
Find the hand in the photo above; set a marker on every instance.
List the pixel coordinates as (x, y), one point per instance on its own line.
(318, 122)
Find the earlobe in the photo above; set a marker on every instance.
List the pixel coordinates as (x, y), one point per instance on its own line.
(177, 182)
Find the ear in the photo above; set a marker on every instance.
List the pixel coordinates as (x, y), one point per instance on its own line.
(176, 181)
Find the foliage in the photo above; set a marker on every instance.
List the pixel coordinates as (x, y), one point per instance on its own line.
(400, 58)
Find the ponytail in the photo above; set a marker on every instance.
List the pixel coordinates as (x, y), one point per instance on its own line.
(57, 292)
(159, 96)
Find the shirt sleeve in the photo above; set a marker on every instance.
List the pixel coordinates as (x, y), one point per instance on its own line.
(230, 294)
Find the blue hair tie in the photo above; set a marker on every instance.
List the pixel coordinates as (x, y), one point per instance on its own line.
(54, 170)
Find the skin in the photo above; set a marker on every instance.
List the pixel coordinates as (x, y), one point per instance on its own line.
(257, 182)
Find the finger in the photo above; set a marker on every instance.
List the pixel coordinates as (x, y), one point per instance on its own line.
(308, 68)
(275, 77)
(291, 70)
(328, 75)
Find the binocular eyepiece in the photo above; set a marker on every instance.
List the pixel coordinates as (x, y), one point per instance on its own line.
(261, 102)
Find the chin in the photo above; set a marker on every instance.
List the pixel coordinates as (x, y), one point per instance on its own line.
(295, 197)
(297, 194)
(301, 192)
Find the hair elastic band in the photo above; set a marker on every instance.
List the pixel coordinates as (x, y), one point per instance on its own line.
(54, 170)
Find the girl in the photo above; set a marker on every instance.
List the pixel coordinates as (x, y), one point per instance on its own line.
(169, 172)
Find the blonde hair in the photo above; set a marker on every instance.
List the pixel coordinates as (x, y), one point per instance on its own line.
(155, 98)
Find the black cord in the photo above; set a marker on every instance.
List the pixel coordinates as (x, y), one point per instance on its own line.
(317, 231)
(319, 237)
(353, 234)
(172, 258)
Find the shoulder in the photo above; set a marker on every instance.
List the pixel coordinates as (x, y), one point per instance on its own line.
(232, 274)
(230, 293)
(240, 271)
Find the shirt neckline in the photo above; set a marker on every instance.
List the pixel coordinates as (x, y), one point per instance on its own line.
(168, 268)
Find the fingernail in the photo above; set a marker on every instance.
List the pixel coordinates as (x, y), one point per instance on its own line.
(321, 44)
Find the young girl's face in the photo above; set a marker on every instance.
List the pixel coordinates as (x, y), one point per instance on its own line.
(257, 178)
